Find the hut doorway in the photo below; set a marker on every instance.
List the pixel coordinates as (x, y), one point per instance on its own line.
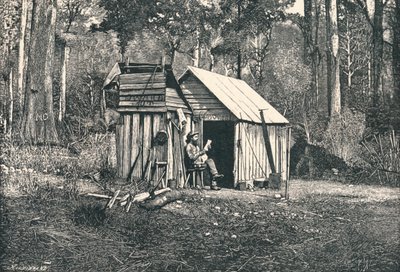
(222, 148)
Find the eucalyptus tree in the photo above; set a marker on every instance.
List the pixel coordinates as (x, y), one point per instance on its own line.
(126, 18)
(247, 32)
(38, 125)
(333, 58)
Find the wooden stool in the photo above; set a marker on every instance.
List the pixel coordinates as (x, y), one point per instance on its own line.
(196, 175)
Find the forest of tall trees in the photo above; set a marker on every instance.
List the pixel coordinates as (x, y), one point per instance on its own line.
(333, 69)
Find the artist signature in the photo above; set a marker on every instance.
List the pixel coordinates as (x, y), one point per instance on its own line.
(16, 267)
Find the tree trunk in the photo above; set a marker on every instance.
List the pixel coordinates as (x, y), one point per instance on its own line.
(333, 58)
(377, 51)
(239, 51)
(328, 57)
(38, 125)
(21, 53)
(63, 90)
(212, 62)
(396, 51)
(396, 64)
(307, 32)
(197, 51)
(11, 97)
(311, 49)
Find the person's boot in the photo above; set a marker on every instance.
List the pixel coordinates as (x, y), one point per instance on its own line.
(214, 186)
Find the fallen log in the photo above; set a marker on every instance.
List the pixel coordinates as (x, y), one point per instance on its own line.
(143, 196)
(100, 196)
(161, 200)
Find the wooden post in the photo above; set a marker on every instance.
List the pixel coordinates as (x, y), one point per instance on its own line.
(267, 143)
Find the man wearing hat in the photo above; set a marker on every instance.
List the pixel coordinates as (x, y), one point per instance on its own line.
(199, 158)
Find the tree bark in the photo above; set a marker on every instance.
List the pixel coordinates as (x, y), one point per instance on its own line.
(63, 90)
(197, 50)
(38, 125)
(311, 40)
(239, 51)
(333, 58)
(11, 106)
(396, 66)
(377, 51)
(21, 53)
(307, 32)
(396, 53)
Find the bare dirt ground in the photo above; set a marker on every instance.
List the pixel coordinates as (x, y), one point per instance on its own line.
(324, 226)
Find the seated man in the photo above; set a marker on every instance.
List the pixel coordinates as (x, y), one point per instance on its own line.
(199, 158)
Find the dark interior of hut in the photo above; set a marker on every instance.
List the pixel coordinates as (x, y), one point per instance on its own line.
(222, 148)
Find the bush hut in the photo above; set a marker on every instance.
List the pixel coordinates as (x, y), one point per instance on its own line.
(227, 111)
(153, 113)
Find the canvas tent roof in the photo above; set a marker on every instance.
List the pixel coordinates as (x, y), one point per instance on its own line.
(244, 102)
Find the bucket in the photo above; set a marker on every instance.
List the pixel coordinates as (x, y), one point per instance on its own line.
(274, 181)
(172, 183)
(259, 183)
(242, 186)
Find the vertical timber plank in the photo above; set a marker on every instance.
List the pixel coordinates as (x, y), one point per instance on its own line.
(177, 158)
(119, 143)
(242, 152)
(126, 146)
(136, 146)
(170, 150)
(258, 153)
(156, 127)
(284, 153)
(147, 138)
(253, 161)
(279, 157)
(235, 155)
(245, 152)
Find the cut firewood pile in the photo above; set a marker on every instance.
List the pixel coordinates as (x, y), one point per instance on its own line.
(124, 193)
(149, 200)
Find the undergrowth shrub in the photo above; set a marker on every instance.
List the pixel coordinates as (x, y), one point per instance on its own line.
(381, 159)
(343, 136)
(98, 154)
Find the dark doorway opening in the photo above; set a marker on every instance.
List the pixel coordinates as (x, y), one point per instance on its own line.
(222, 148)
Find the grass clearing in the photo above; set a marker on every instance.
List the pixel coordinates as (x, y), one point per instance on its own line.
(47, 225)
(203, 233)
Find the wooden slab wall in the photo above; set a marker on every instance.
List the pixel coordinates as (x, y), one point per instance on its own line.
(251, 152)
(134, 141)
(173, 100)
(142, 78)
